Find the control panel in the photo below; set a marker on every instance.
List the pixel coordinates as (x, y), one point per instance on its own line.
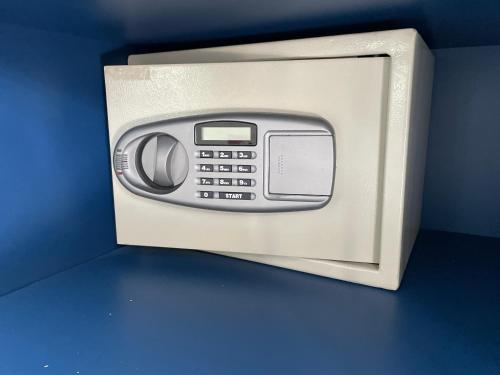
(253, 162)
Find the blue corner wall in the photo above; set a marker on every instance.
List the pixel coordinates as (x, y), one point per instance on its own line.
(55, 195)
(462, 186)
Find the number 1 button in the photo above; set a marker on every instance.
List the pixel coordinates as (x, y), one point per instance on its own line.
(206, 154)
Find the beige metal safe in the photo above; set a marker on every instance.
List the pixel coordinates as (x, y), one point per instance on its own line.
(307, 154)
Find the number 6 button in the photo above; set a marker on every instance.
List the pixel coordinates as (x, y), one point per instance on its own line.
(246, 168)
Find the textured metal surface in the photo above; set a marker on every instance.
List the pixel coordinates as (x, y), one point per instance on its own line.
(145, 311)
(332, 89)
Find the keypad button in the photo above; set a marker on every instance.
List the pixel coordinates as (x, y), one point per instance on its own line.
(206, 194)
(244, 168)
(206, 168)
(225, 155)
(244, 155)
(206, 154)
(236, 196)
(225, 168)
(206, 181)
(225, 181)
(244, 182)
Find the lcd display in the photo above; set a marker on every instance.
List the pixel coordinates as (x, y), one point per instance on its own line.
(226, 134)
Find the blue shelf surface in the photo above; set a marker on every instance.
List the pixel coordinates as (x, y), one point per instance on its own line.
(154, 311)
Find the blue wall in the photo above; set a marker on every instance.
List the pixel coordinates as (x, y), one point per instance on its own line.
(443, 23)
(462, 188)
(55, 196)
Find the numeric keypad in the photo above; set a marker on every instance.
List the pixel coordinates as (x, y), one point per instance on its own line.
(231, 167)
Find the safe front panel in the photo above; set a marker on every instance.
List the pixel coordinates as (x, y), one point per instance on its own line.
(349, 95)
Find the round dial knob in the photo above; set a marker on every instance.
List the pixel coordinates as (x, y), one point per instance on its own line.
(163, 162)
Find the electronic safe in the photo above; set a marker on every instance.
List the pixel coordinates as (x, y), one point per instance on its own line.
(307, 154)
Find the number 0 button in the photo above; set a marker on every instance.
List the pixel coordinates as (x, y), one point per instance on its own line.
(206, 194)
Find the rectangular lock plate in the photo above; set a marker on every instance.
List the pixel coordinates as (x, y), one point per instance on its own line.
(300, 164)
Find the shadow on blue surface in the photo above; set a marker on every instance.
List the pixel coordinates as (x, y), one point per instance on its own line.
(155, 311)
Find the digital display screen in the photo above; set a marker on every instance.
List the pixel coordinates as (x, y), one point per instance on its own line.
(226, 134)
